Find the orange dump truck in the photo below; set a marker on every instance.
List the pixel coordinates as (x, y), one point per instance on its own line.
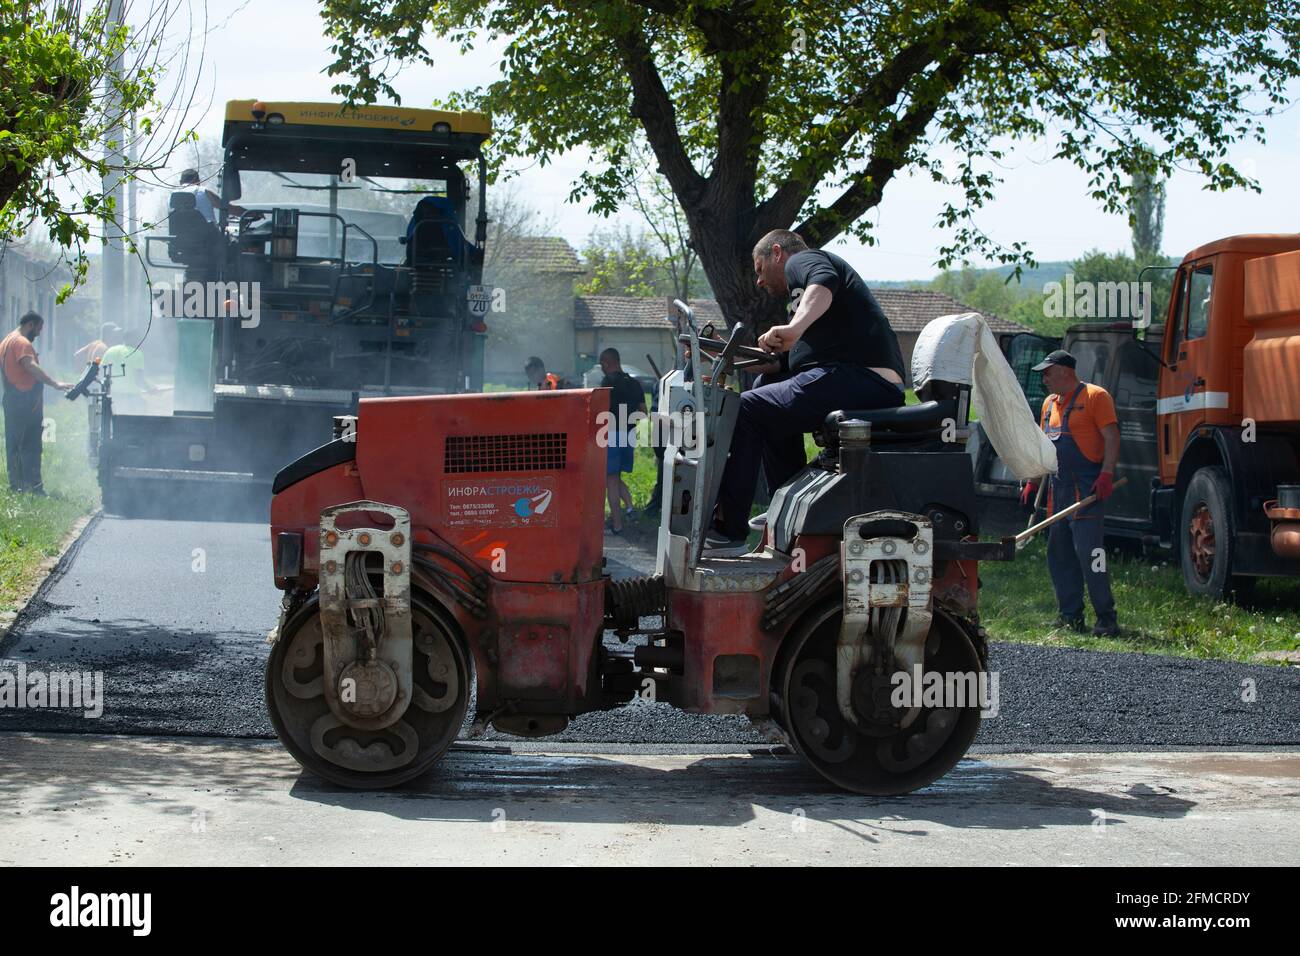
(1227, 489)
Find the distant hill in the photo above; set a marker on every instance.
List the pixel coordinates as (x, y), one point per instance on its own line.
(1029, 278)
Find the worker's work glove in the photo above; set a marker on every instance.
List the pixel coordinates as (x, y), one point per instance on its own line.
(1028, 493)
(1104, 486)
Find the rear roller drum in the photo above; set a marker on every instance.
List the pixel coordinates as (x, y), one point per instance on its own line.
(327, 746)
(889, 750)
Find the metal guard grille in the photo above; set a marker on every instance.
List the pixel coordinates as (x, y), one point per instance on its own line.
(469, 454)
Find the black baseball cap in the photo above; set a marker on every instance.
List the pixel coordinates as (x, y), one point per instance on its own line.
(1059, 357)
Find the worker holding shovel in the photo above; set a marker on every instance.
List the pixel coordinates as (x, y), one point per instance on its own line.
(1079, 418)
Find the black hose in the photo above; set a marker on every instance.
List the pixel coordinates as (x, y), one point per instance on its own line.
(476, 604)
(451, 581)
(476, 574)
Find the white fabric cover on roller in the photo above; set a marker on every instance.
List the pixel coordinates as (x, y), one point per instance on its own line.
(962, 349)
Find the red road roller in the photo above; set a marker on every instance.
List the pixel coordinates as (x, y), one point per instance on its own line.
(446, 551)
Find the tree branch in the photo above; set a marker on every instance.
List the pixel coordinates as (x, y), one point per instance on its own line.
(889, 154)
(966, 33)
(654, 109)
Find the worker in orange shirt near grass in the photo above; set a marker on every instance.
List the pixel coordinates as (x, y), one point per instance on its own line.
(24, 404)
(1079, 418)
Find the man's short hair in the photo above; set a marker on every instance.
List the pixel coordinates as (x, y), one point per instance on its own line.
(791, 242)
(31, 317)
(534, 362)
(189, 176)
(611, 353)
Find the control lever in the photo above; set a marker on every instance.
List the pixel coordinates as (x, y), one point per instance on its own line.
(728, 356)
(747, 352)
(92, 373)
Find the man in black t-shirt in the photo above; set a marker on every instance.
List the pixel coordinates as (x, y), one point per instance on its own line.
(836, 352)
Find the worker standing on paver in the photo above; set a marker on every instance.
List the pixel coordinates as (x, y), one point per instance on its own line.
(1079, 418)
(94, 350)
(24, 404)
(127, 366)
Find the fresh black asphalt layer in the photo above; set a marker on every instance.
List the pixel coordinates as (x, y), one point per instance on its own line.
(176, 613)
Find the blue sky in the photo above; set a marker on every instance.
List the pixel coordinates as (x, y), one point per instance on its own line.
(278, 51)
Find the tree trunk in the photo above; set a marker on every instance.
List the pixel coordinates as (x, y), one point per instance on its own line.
(723, 243)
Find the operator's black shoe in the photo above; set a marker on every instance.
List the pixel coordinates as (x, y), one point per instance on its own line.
(1105, 629)
(1073, 623)
(718, 545)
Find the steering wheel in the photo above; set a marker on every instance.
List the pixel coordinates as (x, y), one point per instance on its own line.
(739, 356)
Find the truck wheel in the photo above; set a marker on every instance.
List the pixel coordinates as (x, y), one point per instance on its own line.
(1208, 538)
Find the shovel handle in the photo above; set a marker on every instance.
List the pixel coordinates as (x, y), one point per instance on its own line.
(1023, 538)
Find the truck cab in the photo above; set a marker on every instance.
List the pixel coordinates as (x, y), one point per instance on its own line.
(1228, 414)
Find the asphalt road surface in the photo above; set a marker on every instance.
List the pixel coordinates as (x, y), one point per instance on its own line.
(176, 614)
(100, 800)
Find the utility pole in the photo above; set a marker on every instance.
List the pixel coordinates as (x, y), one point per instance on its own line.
(133, 274)
(114, 263)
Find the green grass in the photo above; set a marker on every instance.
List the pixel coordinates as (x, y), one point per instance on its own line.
(1156, 614)
(31, 528)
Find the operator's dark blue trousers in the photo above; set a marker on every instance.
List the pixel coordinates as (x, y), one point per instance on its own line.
(773, 417)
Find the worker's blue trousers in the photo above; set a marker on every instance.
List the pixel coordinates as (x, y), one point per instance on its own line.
(24, 417)
(1076, 547)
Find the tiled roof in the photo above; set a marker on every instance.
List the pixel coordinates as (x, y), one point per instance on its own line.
(550, 254)
(632, 312)
(910, 310)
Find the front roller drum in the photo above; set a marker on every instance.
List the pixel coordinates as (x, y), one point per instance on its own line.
(368, 759)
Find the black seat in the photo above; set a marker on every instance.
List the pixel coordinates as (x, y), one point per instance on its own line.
(927, 416)
(433, 235)
(195, 241)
